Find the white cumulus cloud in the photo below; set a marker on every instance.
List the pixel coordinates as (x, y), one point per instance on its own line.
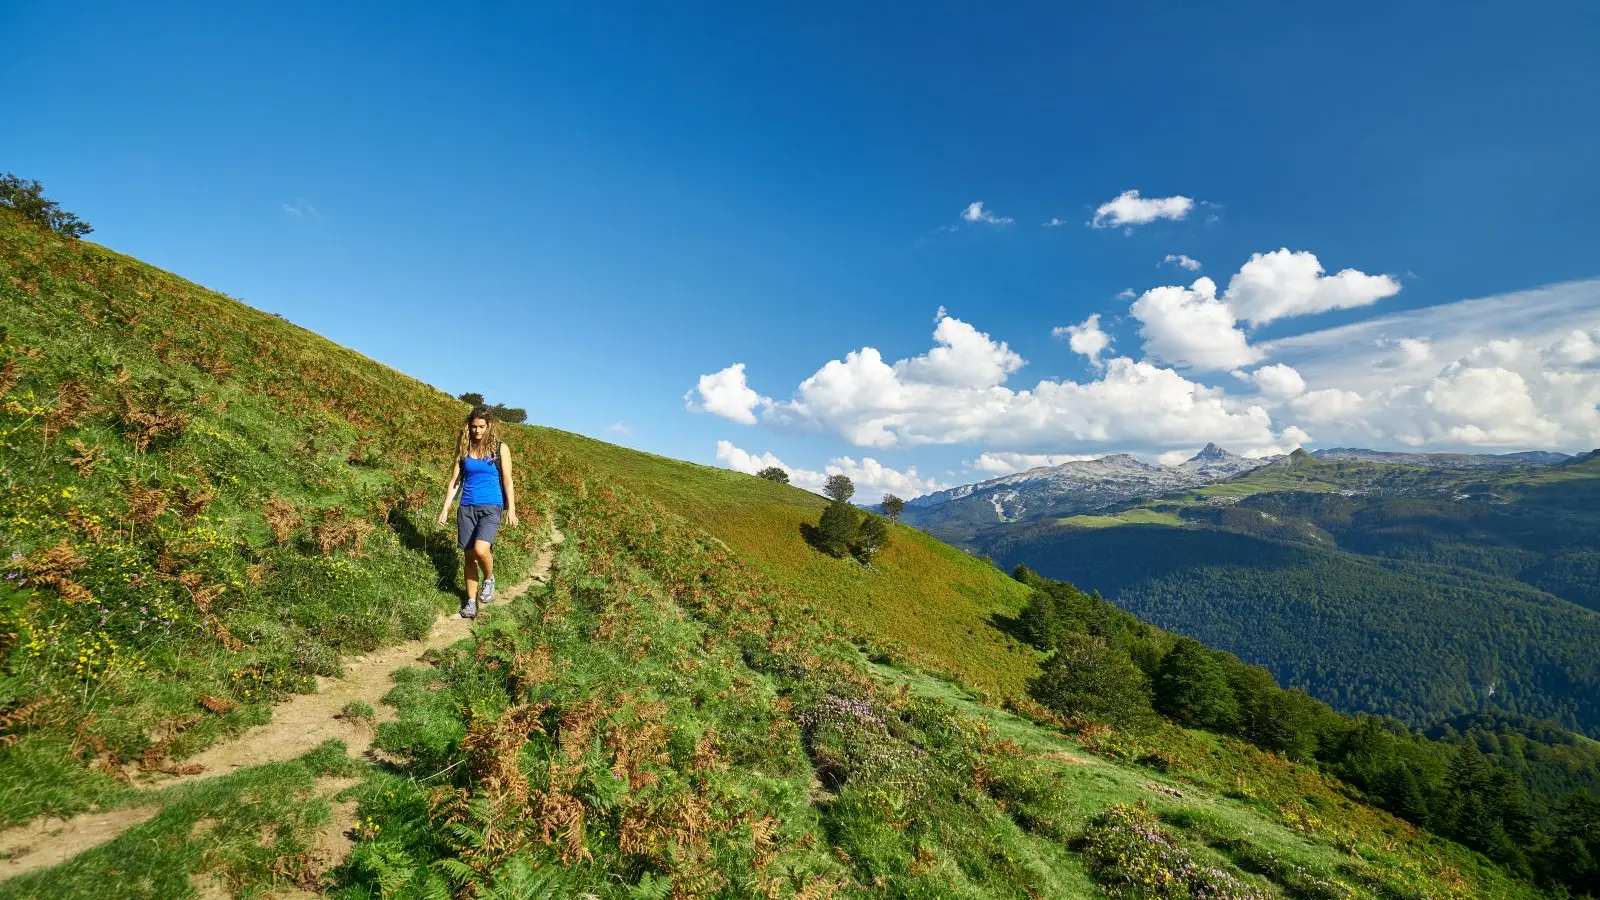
(1278, 381)
(1128, 209)
(1183, 260)
(1191, 327)
(964, 357)
(1414, 351)
(1517, 371)
(726, 394)
(1085, 338)
(1330, 405)
(960, 397)
(1283, 283)
(976, 213)
(1576, 348)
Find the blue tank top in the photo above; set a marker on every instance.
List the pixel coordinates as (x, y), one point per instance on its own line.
(480, 482)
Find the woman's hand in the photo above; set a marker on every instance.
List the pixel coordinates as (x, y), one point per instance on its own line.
(511, 518)
(444, 516)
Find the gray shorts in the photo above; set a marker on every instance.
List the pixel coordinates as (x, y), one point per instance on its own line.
(477, 523)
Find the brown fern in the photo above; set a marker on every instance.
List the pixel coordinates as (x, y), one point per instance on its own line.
(281, 518)
(73, 402)
(13, 720)
(10, 374)
(145, 504)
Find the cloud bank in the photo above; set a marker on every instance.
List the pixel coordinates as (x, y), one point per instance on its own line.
(1513, 371)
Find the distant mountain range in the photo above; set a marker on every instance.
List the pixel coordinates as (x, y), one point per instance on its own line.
(1447, 460)
(1073, 487)
(1089, 486)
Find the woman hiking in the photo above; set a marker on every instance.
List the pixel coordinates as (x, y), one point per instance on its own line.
(482, 472)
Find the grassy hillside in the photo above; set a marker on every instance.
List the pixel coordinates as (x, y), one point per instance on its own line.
(207, 505)
(922, 597)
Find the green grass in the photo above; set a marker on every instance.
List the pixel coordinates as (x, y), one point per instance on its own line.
(247, 831)
(1135, 516)
(933, 602)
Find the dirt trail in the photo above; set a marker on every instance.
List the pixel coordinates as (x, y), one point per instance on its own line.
(298, 725)
(43, 843)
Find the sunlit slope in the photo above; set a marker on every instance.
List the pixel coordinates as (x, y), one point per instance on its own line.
(204, 506)
(939, 605)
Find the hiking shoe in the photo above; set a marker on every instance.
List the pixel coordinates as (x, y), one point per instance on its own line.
(469, 610)
(486, 591)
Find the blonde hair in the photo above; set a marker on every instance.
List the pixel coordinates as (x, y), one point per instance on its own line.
(491, 435)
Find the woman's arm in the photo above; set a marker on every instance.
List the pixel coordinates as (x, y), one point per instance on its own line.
(508, 485)
(450, 492)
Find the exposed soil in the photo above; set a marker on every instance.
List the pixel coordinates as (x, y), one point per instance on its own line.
(298, 725)
(1070, 759)
(43, 843)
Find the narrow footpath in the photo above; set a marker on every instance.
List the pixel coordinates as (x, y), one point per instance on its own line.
(299, 724)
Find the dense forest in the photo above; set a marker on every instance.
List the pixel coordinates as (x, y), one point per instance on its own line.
(1546, 535)
(1418, 641)
(1516, 789)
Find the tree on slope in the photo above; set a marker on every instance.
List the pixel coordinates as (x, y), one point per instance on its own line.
(1192, 688)
(871, 536)
(892, 506)
(837, 528)
(1088, 677)
(839, 488)
(773, 473)
(27, 198)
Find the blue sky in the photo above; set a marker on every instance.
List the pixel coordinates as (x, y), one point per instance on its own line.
(586, 210)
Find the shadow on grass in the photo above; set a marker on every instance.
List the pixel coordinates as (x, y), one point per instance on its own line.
(440, 550)
(1013, 627)
(812, 535)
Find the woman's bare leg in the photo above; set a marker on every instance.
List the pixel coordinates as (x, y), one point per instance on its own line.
(469, 565)
(485, 558)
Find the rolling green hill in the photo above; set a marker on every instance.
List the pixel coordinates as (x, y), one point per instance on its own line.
(206, 506)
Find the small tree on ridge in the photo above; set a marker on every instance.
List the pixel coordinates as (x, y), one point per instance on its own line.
(839, 488)
(892, 506)
(773, 473)
(27, 198)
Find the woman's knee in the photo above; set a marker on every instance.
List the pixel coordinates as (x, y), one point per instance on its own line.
(483, 550)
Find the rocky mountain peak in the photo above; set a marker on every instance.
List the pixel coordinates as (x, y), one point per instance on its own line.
(1210, 453)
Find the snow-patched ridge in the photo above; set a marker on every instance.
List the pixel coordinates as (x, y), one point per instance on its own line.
(1077, 486)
